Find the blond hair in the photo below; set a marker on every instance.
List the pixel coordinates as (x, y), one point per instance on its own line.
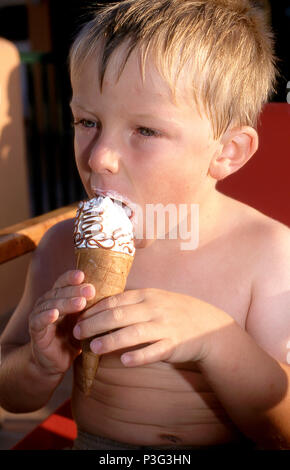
(225, 45)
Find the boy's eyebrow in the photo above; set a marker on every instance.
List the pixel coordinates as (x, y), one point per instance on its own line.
(75, 103)
(147, 116)
(160, 120)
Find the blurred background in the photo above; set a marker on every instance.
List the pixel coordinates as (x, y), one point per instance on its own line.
(37, 168)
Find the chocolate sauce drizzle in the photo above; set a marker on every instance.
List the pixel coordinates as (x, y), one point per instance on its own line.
(84, 222)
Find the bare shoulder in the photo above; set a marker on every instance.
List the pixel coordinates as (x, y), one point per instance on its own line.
(271, 240)
(58, 240)
(272, 249)
(272, 273)
(53, 256)
(268, 316)
(265, 247)
(267, 242)
(261, 230)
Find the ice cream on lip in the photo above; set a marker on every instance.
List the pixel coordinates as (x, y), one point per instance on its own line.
(102, 222)
(116, 197)
(131, 207)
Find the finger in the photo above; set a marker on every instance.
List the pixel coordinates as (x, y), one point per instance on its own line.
(84, 290)
(64, 306)
(127, 297)
(159, 351)
(73, 277)
(118, 317)
(41, 321)
(133, 335)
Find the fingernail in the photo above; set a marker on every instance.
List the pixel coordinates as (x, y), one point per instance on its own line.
(77, 301)
(54, 313)
(76, 275)
(126, 359)
(87, 291)
(77, 331)
(96, 345)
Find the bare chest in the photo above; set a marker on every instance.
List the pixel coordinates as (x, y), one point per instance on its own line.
(214, 274)
(220, 273)
(220, 277)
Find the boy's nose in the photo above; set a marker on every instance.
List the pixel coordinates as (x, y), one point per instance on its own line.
(104, 160)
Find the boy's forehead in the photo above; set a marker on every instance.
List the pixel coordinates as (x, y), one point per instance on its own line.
(149, 81)
(149, 98)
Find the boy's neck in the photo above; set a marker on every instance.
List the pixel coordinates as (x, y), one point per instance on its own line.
(210, 226)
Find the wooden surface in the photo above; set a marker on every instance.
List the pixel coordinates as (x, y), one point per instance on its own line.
(22, 238)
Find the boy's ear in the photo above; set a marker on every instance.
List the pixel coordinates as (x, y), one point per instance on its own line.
(237, 147)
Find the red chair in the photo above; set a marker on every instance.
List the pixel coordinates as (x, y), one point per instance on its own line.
(262, 183)
(56, 432)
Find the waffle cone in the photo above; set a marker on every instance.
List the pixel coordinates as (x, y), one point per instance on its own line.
(107, 270)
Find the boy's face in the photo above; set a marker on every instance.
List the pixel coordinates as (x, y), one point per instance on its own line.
(133, 139)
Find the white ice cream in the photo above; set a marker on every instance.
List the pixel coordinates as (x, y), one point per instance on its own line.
(103, 223)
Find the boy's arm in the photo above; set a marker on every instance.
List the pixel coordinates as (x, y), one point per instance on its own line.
(249, 370)
(23, 386)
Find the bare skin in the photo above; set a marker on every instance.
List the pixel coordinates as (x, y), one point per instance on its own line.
(171, 403)
(160, 403)
(205, 330)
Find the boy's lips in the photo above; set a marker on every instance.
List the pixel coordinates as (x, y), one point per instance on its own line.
(119, 198)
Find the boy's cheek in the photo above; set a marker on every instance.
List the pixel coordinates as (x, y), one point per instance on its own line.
(80, 149)
(81, 157)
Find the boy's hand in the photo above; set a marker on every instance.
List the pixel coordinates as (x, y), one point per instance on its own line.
(170, 327)
(52, 320)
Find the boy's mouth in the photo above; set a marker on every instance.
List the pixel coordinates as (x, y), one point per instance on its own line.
(117, 198)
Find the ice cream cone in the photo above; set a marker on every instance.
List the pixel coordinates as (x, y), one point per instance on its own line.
(107, 270)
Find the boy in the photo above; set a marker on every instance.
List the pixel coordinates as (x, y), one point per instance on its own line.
(166, 96)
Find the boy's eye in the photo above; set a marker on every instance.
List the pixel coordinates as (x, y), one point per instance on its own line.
(146, 132)
(86, 123)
